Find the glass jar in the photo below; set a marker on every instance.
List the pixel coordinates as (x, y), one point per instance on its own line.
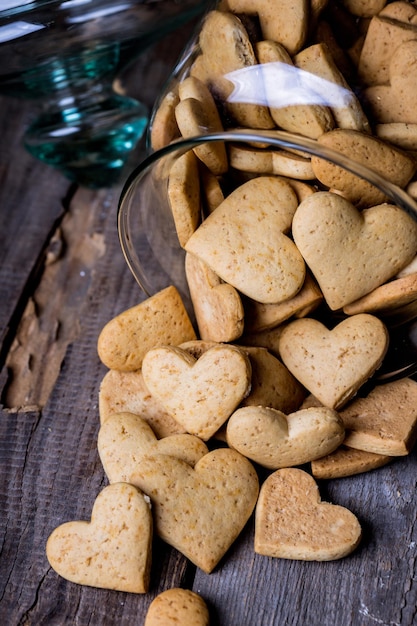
(157, 256)
(294, 95)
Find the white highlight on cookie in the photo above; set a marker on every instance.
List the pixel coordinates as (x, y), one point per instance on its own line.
(279, 84)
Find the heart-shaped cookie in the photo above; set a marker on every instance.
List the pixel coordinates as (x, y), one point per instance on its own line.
(234, 53)
(159, 320)
(275, 440)
(271, 385)
(318, 59)
(394, 165)
(390, 298)
(393, 102)
(309, 120)
(177, 606)
(334, 364)
(126, 392)
(200, 394)
(113, 550)
(124, 438)
(259, 317)
(349, 252)
(217, 306)
(292, 522)
(392, 26)
(164, 125)
(200, 511)
(192, 119)
(244, 240)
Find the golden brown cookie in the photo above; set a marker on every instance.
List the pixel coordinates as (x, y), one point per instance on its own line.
(286, 163)
(386, 299)
(124, 438)
(193, 87)
(293, 523)
(385, 421)
(342, 101)
(305, 117)
(274, 440)
(347, 462)
(184, 195)
(399, 134)
(334, 364)
(226, 47)
(364, 8)
(200, 511)
(177, 606)
(211, 191)
(384, 34)
(272, 385)
(193, 120)
(251, 224)
(126, 392)
(286, 24)
(393, 103)
(391, 163)
(248, 158)
(160, 319)
(337, 241)
(217, 306)
(113, 550)
(268, 339)
(199, 393)
(259, 317)
(164, 127)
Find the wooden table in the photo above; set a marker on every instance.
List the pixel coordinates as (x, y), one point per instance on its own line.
(63, 277)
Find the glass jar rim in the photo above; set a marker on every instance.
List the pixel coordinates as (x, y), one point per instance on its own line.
(275, 139)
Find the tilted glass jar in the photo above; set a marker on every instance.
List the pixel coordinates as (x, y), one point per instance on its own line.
(298, 94)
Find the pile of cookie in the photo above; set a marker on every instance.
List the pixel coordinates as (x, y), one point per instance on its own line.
(185, 423)
(292, 265)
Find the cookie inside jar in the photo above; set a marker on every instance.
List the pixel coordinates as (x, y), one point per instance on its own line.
(285, 92)
(304, 67)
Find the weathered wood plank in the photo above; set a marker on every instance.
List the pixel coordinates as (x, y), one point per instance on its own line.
(374, 585)
(51, 468)
(31, 198)
(51, 320)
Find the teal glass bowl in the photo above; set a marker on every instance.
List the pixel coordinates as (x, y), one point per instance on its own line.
(64, 56)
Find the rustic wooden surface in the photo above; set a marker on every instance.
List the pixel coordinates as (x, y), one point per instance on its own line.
(62, 278)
